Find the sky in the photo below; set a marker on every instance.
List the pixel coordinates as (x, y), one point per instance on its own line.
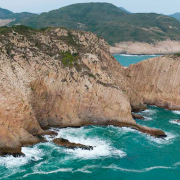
(37, 6)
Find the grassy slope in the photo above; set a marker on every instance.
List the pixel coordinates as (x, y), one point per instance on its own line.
(176, 16)
(110, 22)
(6, 14)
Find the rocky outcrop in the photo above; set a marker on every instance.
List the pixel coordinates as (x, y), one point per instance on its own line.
(140, 48)
(4, 22)
(65, 143)
(137, 116)
(58, 77)
(157, 81)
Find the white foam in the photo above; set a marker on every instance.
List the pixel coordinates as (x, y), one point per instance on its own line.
(174, 122)
(126, 129)
(176, 112)
(32, 154)
(177, 164)
(49, 138)
(139, 171)
(148, 118)
(101, 147)
(83, 170)
(148, 112)
(50, 172)
(127, 170)
(166, 140)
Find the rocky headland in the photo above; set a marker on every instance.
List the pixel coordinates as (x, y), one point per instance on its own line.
(56, 77)
(143, 48)
(157, 81)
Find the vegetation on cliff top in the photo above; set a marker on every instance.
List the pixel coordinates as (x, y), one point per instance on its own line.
(69, 59)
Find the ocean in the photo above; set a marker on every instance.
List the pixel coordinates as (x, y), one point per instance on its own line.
(126, 60)
(118, 154)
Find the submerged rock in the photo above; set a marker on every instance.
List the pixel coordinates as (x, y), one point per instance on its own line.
(65, 143)
(137, 116)
(178, 121)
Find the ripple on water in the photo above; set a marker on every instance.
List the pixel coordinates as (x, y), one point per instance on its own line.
(114, 167)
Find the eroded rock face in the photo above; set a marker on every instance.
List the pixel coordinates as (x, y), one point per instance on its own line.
(59, 78)
(157, 81)
(4, 22)
(65, 143)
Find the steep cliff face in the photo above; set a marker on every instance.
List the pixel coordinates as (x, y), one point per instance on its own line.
(157, 81)
(58, 77)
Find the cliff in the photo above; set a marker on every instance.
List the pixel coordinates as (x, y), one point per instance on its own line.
(139, 48)
(58, 77)
(157, 81)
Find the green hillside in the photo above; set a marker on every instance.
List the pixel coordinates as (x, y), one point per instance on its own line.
(125, 10)
(78, 16)
(6, 14)
(109, 22)
(176, 16)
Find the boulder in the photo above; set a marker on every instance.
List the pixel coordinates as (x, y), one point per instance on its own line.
(137, 116)
(65, 143)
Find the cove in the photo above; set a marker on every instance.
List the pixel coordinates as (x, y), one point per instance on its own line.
(119, 153)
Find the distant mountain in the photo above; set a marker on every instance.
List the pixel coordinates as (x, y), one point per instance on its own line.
(19, 17)
(110, 22)
(106, 20)
(4, 13)
(176, 16)
(125, 10)
(13, 18)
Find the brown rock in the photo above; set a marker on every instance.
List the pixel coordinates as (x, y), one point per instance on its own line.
(65, 143)
(140, 48)
(157, 81)
(59, 78)
(137, 116)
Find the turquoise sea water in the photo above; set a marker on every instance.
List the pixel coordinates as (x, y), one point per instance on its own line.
(126, 60)
(119, 153)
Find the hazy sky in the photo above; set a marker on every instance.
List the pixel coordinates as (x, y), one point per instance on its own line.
(37, 6)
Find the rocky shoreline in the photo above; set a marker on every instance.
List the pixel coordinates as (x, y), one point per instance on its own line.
(157, 81)
(61, 78)
(141, 48)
